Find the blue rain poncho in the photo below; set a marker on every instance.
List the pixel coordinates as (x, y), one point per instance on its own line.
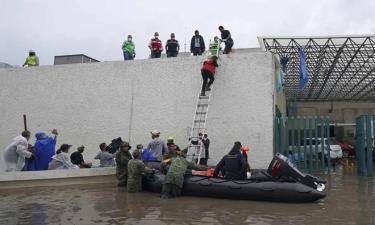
(44, 150)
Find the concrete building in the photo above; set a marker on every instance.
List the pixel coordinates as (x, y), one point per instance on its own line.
(70, 59)
(92, 103)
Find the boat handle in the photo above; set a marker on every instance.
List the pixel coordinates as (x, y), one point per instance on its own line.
(234, 187)
(268, 189)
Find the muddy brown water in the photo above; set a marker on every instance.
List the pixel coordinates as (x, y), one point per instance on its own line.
(350, 200)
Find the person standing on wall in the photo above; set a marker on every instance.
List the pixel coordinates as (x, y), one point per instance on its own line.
(128, 48)
(172, 47)
(208, 70)
(31, 60)
(197, 46)
(155, 46)
(226, 37)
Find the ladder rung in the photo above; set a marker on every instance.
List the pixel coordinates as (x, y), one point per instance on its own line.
(203, 97)
(202, 105)
(199, 121)
(201, 112)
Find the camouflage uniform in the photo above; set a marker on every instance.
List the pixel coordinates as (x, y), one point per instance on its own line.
(174, 179)
(122, 160)
(135, 169)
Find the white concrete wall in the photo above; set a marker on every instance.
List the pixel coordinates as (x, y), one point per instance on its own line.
(90, 103)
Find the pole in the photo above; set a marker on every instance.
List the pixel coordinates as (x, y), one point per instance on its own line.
(24, 122)
(131, 118)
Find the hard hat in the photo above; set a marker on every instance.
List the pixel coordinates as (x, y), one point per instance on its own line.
(170, 139)
(155, 132)
(31, 51)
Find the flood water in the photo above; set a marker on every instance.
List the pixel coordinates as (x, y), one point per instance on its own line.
(350, 200)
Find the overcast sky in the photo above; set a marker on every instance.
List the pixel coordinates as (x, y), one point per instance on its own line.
(97, 28)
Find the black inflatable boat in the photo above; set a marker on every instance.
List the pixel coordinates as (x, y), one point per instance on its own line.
(271, 185)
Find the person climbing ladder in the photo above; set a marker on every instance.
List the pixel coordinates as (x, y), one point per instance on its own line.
(208, 71)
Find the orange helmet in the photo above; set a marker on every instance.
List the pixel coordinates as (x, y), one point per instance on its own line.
(245, 149)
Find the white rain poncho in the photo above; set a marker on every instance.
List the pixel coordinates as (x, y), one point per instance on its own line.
(61, 161)
(15, 154)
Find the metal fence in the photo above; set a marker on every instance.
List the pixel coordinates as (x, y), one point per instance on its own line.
(365, 130)
(305, 141)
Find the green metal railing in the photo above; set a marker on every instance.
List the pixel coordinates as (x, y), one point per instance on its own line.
(304, 140)
(365, 131)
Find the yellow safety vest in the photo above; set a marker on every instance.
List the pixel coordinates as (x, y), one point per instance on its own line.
(31, 60)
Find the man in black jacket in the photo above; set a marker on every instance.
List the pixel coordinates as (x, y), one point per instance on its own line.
(172, 47)
(226, 37)
(233, 165)
(197, 46)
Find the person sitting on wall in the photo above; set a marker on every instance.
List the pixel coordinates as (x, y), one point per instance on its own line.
(233, 165)
(77, 158)
(106, 159)
(62, 160)
(31, 60)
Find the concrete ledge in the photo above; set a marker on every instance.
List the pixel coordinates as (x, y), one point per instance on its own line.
(57, 177)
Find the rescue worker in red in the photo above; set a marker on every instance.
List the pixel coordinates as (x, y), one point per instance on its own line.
(156, 46)
(208, 71)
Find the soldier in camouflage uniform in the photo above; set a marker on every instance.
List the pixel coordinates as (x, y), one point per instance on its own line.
(122, 158)
(174, 179)
(135, 170)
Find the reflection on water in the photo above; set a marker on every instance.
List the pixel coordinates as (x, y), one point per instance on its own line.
(350, 200)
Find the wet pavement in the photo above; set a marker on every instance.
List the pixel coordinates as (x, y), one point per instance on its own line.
(350, 200)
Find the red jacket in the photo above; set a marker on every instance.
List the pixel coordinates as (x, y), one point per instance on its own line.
(210, 66)
(155, 45)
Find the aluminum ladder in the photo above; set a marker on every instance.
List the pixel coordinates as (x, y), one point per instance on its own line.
(200, 119)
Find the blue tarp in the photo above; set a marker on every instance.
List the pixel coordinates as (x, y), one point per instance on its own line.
(147, 155)
(304, 78)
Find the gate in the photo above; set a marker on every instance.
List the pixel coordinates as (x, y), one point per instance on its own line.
(305, 141)
(365, 130)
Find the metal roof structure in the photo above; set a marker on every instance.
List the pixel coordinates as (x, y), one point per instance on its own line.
(340, 68)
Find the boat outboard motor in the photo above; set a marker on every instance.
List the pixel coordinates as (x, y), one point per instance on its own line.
(115, 145)
(281, 166)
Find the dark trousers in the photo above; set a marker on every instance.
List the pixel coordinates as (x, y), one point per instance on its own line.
(170, 191)
(203, 161)
(128, 56)
(155, 54)
(172, 54)
(228, 47)
(197, 51)
(205, 76)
